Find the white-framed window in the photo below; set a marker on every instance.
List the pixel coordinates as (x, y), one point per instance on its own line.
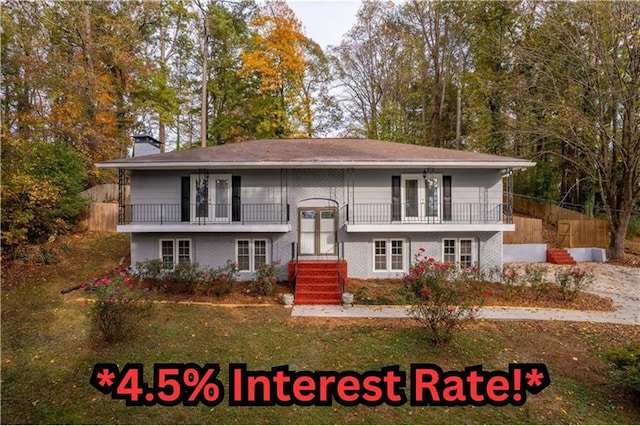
(251, 254)
(175, 251)
(389, 255)
(459, 251)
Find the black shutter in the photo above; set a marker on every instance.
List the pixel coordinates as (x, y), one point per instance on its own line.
(395, 198)
(236, 207)
(446, 197)
(185, 198)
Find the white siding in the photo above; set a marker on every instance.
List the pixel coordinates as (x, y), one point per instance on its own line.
(155, 187)
(468, 186)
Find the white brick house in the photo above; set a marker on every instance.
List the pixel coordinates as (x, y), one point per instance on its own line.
(372, 204)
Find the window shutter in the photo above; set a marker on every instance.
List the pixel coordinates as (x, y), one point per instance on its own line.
(446, 197)
(236, 206)
(185, 199)
(395, 198)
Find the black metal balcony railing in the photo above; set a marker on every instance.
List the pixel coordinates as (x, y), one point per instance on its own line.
(204, 214)
(426, 213)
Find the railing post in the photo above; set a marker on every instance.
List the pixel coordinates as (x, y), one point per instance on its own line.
(161, 214)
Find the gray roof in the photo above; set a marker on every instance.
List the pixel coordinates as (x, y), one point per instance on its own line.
(316, 153)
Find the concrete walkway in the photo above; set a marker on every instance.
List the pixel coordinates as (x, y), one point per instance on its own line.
(492, 313)
(621, 284)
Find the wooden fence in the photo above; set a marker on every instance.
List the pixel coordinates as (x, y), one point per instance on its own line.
(583, 233)
(104, 193)
(574, 229)
(528, 231)
(100, 217)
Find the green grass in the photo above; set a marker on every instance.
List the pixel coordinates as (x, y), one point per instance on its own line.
(48, 355)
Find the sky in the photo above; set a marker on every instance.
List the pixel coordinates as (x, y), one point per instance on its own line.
(325, 21)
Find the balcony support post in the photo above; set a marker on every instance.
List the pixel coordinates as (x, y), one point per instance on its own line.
(509, 205)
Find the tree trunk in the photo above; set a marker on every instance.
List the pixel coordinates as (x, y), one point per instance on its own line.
(205, 75)
(618, 236)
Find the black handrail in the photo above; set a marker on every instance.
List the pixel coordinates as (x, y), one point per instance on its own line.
(203, 214)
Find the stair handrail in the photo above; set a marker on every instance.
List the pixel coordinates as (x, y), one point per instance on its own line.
(338, 266)
(296, 257)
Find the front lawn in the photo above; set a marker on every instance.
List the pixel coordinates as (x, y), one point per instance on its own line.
(48, 355)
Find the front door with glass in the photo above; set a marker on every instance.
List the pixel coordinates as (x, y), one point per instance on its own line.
(317, 230)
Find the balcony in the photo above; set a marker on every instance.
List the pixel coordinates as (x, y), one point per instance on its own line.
(427, 217)
(204, 218)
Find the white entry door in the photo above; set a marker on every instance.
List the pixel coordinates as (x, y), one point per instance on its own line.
(317, 230)
(211, 198)
(421, 198)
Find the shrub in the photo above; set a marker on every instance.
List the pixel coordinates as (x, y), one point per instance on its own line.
(189, 277)
(265, 281)
(218, 281)
(151, 269)
(626, 361)
(118, 305)
(511, 280)
(535, 275)
(441, 297)
(571, 281)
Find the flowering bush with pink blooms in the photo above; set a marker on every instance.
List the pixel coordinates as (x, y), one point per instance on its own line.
(116, 305)
(441, 296)
(571, 281)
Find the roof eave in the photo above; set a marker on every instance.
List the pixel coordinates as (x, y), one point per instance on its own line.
(168, 165)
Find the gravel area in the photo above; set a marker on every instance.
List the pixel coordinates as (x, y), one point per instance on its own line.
(620, 283)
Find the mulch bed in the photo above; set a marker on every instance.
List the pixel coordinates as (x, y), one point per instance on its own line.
(387, 292)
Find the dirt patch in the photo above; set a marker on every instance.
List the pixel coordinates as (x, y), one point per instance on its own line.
(389, 292)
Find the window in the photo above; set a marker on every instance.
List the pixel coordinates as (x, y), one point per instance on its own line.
(449, 251)
(380, 255)
(458, 251)
(251, 254)
(243, 258)
(173, 252)
(388, 255)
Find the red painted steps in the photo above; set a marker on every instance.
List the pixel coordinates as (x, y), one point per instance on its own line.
(559, 256)
(317, 281)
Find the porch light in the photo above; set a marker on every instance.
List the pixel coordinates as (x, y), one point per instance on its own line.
(428, 173)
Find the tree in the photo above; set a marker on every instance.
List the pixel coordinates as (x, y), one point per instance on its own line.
(584, 61)
(274, 65)
(363, 65)
(41, 183)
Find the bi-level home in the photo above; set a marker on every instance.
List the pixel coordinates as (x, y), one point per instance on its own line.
(324, 209)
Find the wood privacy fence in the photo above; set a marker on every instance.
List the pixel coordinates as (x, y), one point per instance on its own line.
(583, 233)
(100, 217)
(104, 193)
(528, 231)
(574, 229)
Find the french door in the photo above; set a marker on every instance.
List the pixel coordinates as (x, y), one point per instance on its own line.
(421, 198)
(317, 230)
(211, 198)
